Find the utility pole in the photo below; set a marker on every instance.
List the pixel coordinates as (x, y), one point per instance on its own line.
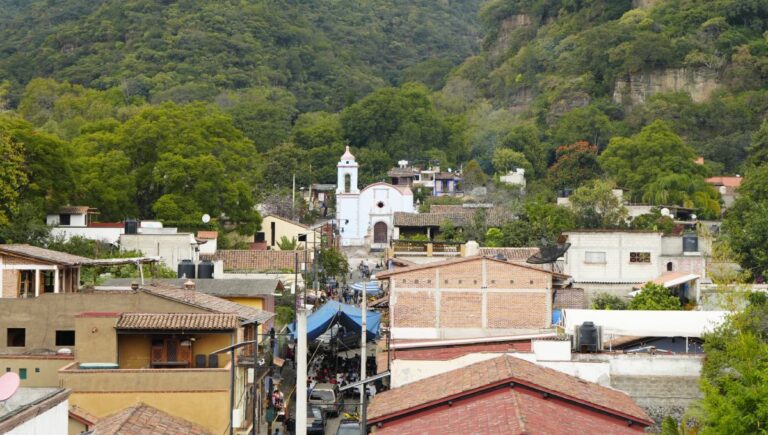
(363, 359)
(293, 199)
(301, 371)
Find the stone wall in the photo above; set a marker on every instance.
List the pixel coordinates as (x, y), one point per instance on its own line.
(660, 396)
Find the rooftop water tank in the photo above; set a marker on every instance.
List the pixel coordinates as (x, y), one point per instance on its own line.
(186, 269)
(205, 270)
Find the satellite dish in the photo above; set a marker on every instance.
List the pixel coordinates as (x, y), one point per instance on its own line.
(206, 218)
(665, 211)
(548, 253)
(9, 383)
(693, 217)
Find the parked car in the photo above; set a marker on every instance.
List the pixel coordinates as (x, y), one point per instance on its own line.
(348, 427)
(315, 420)
(327, 398)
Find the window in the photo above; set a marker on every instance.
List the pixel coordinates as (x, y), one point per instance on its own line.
(17, 337)
(594, 257)
(273, 233)
(670, 267)
(22, 374)
(65, 338)
(260, 237)
(26, 283)
(347, 183)
(380, 204)
(64, 219)
(47, 278)
(639, 257)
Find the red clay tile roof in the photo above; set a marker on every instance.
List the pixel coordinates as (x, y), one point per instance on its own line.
(178, 321)
(210, 235)
(388, 273)
(458, 215)
(725, 181)
(497, 371)
(207, 302)
(142, 419)
(43, 254)
(258, 261)
(82, 415)
(511, 254)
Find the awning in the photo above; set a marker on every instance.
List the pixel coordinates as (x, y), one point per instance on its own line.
(371, 288)
(347, 315)
(670, 279)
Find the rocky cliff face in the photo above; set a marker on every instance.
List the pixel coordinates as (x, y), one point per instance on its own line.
(507, 28)
(637, 88)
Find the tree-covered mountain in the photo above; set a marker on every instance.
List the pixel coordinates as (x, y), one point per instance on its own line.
(327, 53)
(592, 69)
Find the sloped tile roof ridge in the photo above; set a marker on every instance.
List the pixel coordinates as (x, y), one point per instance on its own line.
(208, 302)
(178, 321)
(496, 371)
(44, 254)
(451, 261)
(143, 419)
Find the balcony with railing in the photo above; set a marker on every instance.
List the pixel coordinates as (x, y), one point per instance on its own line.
(426, 248)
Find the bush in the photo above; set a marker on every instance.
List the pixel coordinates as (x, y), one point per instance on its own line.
(655, 297)
(605, 301)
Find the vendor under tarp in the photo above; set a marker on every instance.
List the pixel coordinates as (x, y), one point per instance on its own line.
(349, 316)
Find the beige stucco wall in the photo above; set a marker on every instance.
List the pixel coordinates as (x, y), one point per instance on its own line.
(134, 349)
(95, 339)
(43, 316)
(48, 369)
(287, 229)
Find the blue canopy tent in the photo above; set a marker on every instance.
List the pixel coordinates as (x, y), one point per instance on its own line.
(371, 288)
(349, 316)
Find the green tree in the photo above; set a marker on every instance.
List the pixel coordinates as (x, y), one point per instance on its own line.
(505, 160)
(636, 162)
(402, 121)
(574, 164)
(733, 376)
(317, 129)
(758, 151)
(12, 177)
(286, 244)
(449, 233)
(596, 206)
(653, 221)
(526, 138)
(494, 238)
(607, 301)
(473, 175)
(654, 297)
(264, 115)
(746, 223)
(584, 124)
(332, 264)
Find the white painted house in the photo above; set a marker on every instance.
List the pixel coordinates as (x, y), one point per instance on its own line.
(70, 221)
(366, 217)
(618, 261)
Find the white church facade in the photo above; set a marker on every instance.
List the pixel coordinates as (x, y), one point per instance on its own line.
(365, 217)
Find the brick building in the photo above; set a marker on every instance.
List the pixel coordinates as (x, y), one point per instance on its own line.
(469, 297)
(504, 395)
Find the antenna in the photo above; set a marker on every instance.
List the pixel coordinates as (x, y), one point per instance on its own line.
(9, 383)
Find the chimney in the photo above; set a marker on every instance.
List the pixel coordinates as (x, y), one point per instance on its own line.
(189, 285)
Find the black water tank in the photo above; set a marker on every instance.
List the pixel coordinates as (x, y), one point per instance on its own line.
(205, 270)
(131, 226)
(588, 337)
(690, 242)
(186, 269)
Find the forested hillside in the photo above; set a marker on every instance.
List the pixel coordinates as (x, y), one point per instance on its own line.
(327, 53)
(591, 70)
(175, 108)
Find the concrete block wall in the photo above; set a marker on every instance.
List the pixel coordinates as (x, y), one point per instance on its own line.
(660, 396)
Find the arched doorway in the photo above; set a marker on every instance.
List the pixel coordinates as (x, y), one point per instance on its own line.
(380, 232)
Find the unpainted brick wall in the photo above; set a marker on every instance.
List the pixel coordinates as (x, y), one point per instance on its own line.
(461, 310)
(415, 310)
(517, 310)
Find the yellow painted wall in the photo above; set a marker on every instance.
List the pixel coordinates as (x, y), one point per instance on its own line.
(75, 427)
(288, 229)
(48, 376)
(134, 349)
(208, 409)
(257, 303)
(96, 340)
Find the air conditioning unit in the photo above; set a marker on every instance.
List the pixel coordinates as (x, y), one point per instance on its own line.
(587, 338)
